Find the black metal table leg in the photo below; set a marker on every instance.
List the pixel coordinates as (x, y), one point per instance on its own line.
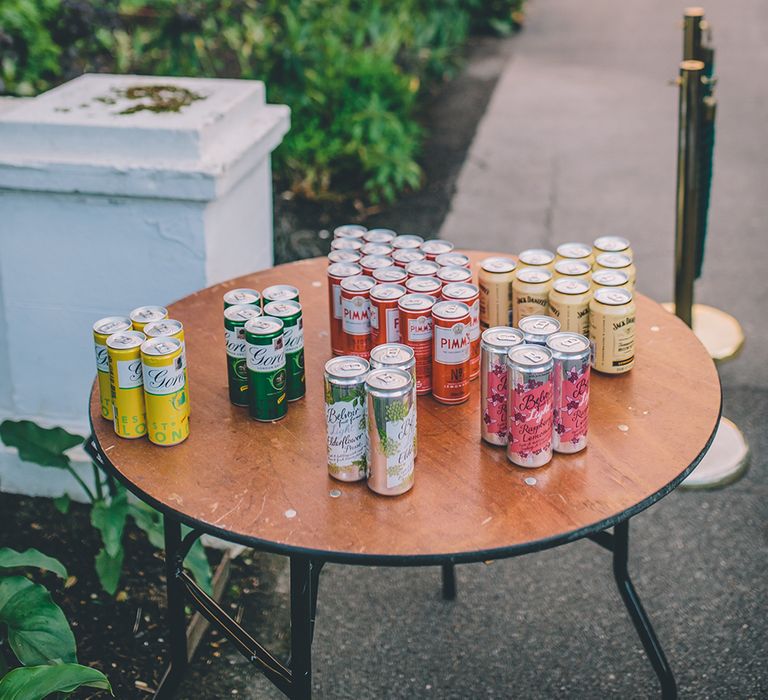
(449, 582)
(303, 602)
(637, 613)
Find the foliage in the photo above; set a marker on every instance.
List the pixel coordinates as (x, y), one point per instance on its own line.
(38, 633)
(354, 73)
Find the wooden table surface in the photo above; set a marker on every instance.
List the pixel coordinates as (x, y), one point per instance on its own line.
(267, 485)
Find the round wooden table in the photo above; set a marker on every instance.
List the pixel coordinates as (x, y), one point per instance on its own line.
(267, 485)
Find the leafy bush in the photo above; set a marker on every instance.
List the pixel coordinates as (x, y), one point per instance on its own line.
(353, 72)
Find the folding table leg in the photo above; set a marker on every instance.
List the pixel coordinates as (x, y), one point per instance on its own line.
(449, 582)
(303, 602)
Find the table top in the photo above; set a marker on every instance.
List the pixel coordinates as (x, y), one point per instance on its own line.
(266, 484)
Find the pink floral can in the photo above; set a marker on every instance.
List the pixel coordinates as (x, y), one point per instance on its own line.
(570, 352)
(530, 405)
(495, 343)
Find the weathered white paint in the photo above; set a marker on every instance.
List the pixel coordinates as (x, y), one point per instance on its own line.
(101, 212)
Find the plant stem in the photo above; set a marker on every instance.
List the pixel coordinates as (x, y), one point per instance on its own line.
(84, 486)
(97, 481)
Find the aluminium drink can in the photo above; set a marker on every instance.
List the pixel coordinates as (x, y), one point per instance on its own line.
(165, 391)
(390, 274)
(424, 285)
(127, 383)
(403, 256)
(436, 246)
(353, 231)
(422, 268)
(569, 304)
(537, 258)
(469, 294)
(391, 431)
(369, 263)
(344, 256)
(453, 259)
(265, 359)
(617, 261)
(530, 293)
(612, 330)
(576, 251)
(380, 235)
(143, 315)
(451, 351)
(279, 292)
(242, 297)
(612, 244)
(570, 352)
(495, 282)
(102, 329)
(345, 417)
(536, 329)
(573, 270)
(171, 328)
(289, 312)
(356, 315)
(407, 241)
(416, 333)
(377, 249)
(346, 244)
(385, 315)
(494, 347)
(530, 405)
(336, 273)
(235, 318)
(454, 273)
(610, 278)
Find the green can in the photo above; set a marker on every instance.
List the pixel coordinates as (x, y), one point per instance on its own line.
(235, 318)
(265, 360)
(293, 336)
(280, 292)
(242, 296)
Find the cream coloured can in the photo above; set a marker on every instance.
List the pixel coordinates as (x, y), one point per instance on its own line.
(530, 293)
(569, 304)
(536, 258)
(612, 330)
(576, 251)
(617, 261)
(573, 270)
(612, 244)
(495, 283)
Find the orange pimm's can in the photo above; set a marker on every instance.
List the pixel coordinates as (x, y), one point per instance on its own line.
(404, 256)
(385, 315)
(337, 272)
(369, 263)
(468, 294)
(450, 351)
(356, 315)
(416, 333)
(424, 285)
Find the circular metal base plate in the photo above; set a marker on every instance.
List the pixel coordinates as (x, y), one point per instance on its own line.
(726, 461)
(719, 332)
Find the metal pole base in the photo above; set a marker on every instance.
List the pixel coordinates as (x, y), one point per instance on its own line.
(726, 461)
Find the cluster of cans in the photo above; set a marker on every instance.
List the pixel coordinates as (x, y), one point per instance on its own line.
(370, 412)
(143, 383)
(534, 392)
(585, 289)
(264, 335)
(387, 288)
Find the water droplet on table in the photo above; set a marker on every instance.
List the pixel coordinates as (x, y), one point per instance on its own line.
(290, 513)
(335, 493)
(623, 427)
(530, 480)
(317, 284)
(655, 329)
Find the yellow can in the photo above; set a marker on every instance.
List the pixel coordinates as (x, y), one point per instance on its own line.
(610, 278)
(102, 329)
(612, 244)
(576, 251)
(143, 315)
(612, 330)
(171, 328)
(538, 258)
(165, 391)
(126, 383)
(617, 261)
(530, 293)
(573, 270)
(569, 304)
(495, 283)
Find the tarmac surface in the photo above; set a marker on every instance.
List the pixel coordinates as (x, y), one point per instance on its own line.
(579, 140)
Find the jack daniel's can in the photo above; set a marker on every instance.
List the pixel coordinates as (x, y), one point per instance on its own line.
(102, 329)
(569, 304)
(235, 318)
(530, 293)
(494, 346)
(345, 417)
(289, 312)
(612, 330)
(570, 352)
(391, 431)
(165, 391)
(265, 359)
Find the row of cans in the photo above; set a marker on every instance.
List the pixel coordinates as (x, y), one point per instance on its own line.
(370, 411)
(142, 375)
(534, 393)
(264, 340)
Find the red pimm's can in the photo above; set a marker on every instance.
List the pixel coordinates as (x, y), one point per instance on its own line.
(405, 255)
(422, 268)
(435, 247)
(356, 315)
(468, 294)
(452, 259)
(385, 315)
(337, 272)
(416, 333)
(369, 263)
(454, 273)
(424, 285)
(390, 274)
(450, 352)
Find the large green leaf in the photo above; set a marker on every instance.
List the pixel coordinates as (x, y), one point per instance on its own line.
(38, 682)
(109, 569)
(38, 632)
(150, 521)
(43, 446)
(10, 558)
(109, 519)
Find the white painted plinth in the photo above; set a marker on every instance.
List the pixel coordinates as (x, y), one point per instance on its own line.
(102, 211)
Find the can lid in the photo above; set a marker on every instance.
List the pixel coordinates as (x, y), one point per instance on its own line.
(611, 244)
(145, 314)
(387, 291)
(241, 296)
(282, 309)
(372, 262)
(346, 367)
(349, 231)
(359, 283)
(416, 302)
(424, 285)
(343, 256)
(536, 256)
(408, 240)
(436, 246)
(574, 250)
(405, 256)
(498, 264)
(610, 278)
(422, 268)
(572, 267)
(389, 274)
(392, 354)
(388, 380)
(450, 309)
(568, 343)
(241, 312)
(613, 260)
(346, 244)
(125, 340)
(566, 286)
(454, 273)
(380, 235)
(533, 275)
(530, 355)
(160, 346)
(502, 337)
(539, 325)
(613, 296)
(343, 269)
(460, 290)
(112, 324)
(264, 325)
(451, 259)
(280, 292)
(376, 249)
(166, 327)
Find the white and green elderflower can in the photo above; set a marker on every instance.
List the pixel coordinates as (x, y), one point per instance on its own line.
(345, 417)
